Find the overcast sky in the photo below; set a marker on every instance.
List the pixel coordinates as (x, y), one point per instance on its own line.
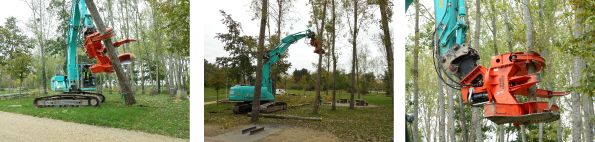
(18, 9)
(301, 55)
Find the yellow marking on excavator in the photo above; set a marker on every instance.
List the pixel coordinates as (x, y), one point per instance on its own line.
(440, 3)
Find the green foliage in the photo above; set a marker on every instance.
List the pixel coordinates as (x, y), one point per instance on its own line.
(20, 66)
(241, 50)
(217, 79)
(57, 46)
(12, 40)
(177, 13)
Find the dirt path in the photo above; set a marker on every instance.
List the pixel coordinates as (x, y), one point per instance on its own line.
(18, 127)
(212, 102)
(287, 134)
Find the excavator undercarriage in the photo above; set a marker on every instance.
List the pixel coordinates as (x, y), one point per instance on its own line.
(265, 107)
(70, 99)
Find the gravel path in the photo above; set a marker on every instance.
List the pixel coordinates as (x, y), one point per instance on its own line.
(18, 127)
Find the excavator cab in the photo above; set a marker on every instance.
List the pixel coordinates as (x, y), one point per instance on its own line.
(87, 78)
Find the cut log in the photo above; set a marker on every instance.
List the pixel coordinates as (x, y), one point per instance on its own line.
(286, 117)
(300, 105)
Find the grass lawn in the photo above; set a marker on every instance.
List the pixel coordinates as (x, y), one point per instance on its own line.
(162, 116)
(361, 124)
(211, 94)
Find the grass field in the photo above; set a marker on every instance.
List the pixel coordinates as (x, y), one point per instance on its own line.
(211, 95)
(361, 124)
(162, 116)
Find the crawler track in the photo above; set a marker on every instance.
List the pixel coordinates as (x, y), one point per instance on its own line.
(269, 107)
(70, 99)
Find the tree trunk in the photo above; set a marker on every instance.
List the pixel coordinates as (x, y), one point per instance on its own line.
(494, 28)
(353, 65)
(136, 21)
(451, 116)
(109, 82)
(357, 77)
(531, 92)
(441, 126)
(258, 83)
(474, 122)
(320, 40)
(509, 39)
(170, 70)
(334, 108)
(388, 46)
(122, 79)
(476, 117)
(414, 128)
(463, 120)
(523, 136)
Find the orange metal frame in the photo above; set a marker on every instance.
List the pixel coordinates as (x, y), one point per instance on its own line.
(95, 49)
(508, 77)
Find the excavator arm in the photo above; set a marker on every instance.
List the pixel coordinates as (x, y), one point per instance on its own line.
(245, 94)
(271, 58)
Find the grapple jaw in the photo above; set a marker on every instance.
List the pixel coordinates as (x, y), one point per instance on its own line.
(315, 43)
(95, 49)
(506, 78)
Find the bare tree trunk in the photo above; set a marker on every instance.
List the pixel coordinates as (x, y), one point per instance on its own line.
(180, 85)
(334, 58)
(476, 117)
(388, 46)
(441, 127)
(523, 136)
(357, 72)
(463, 120)
(414, 128)
(354, 64)
(110, 83)
(531, 94)
(507, 29)
(494, 28)
(258, 83)
(320, 40)
(122, 79)
(171, 78)
(451, 116)
(474, 123)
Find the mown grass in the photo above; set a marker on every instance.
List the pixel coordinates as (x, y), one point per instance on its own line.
(360, 124)
(211, 94)
(162, 116)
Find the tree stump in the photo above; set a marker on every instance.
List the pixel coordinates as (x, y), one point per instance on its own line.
(152, 91)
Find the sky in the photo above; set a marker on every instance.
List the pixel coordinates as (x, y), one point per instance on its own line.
(301, 55)
(18, 9)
